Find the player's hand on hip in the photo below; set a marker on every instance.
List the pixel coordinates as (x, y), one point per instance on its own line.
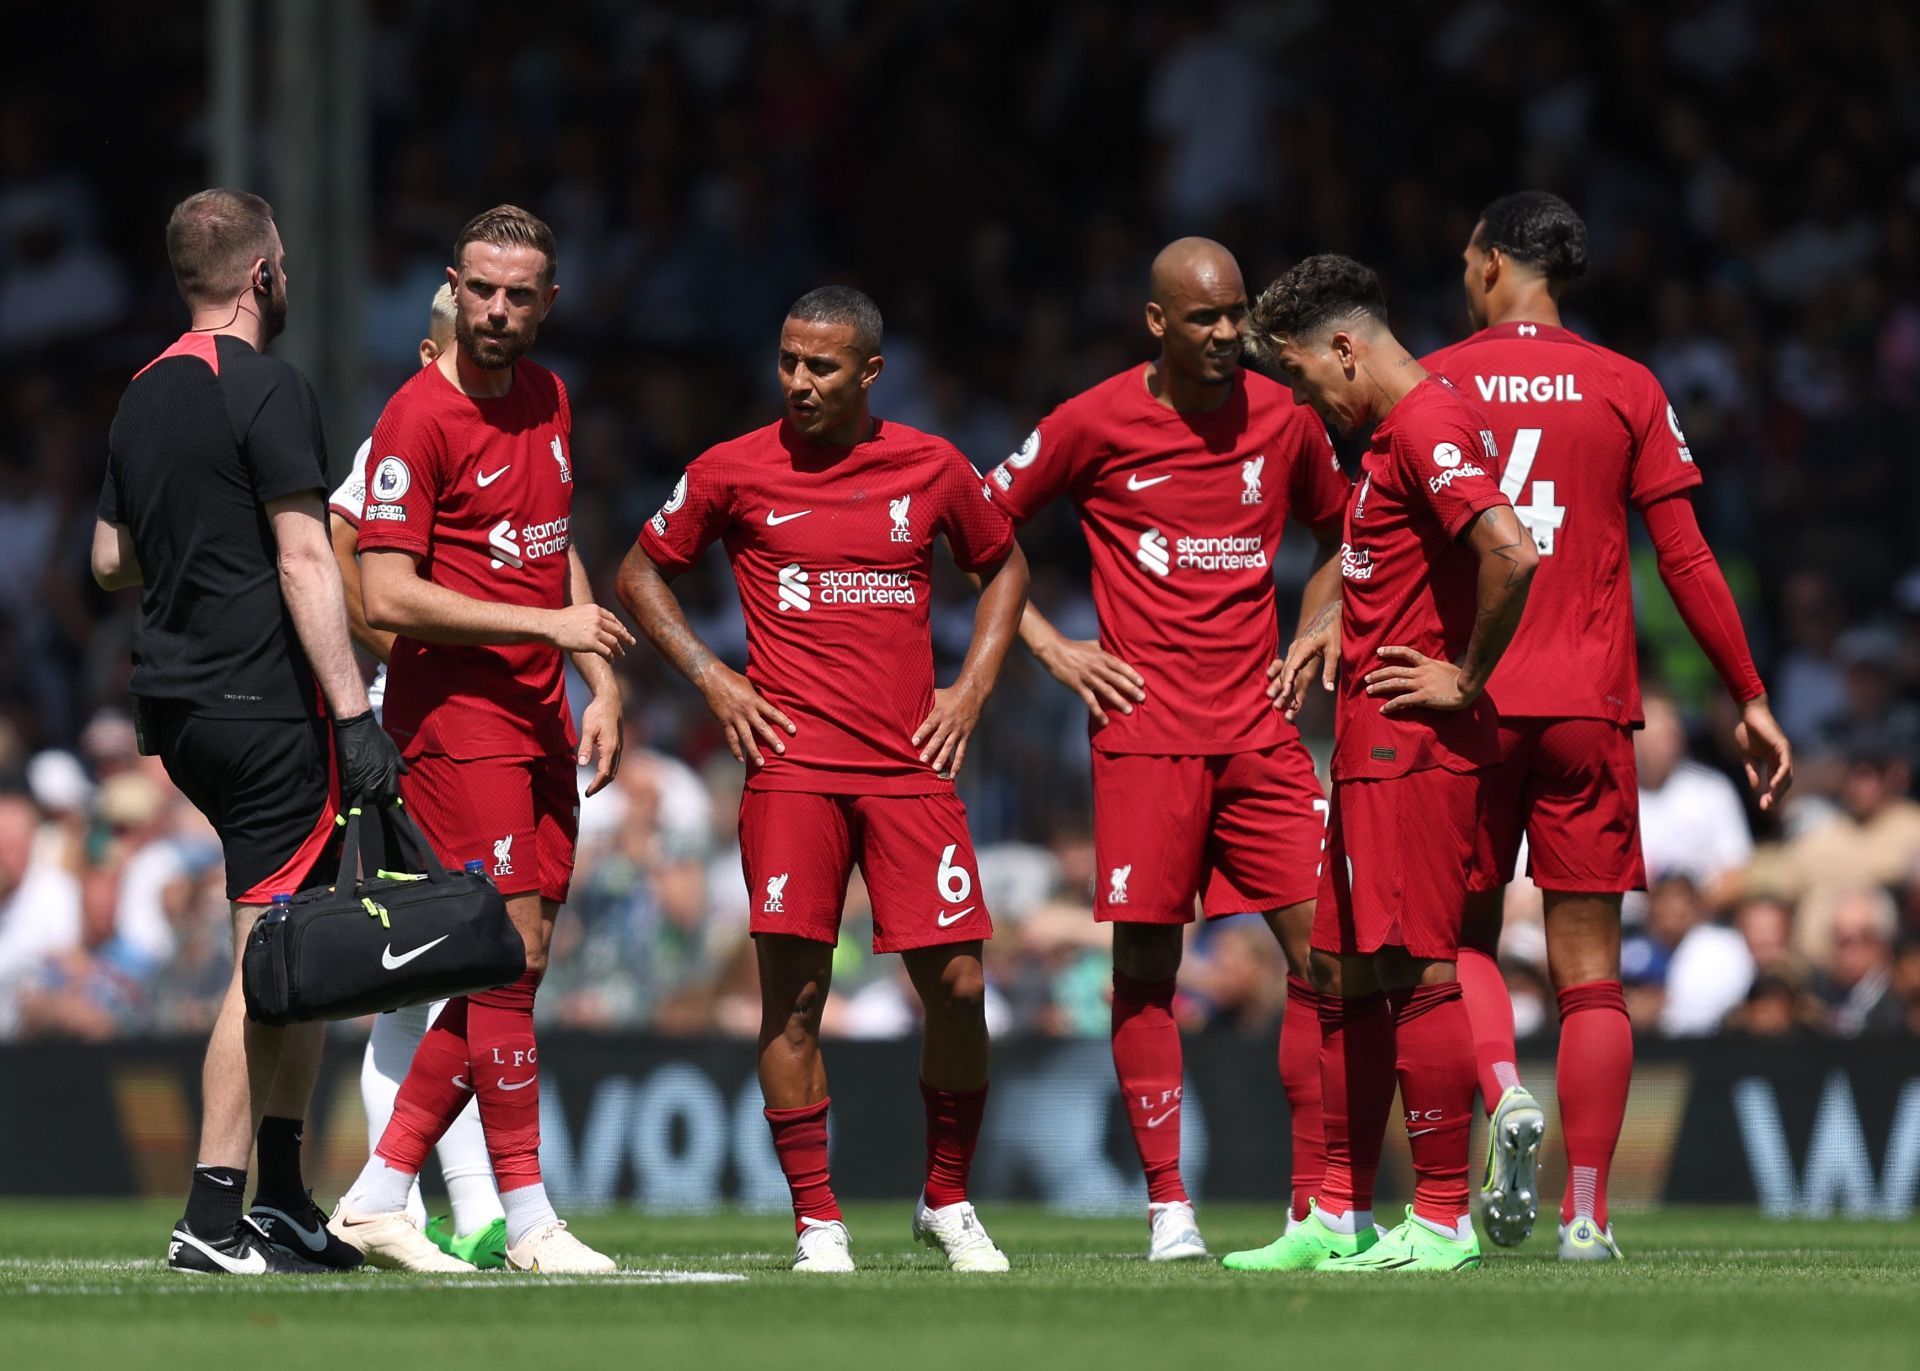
(748, 720)
(601, 737)
(370, 765)
(1317, 648)
(1097, 677)
(589, 628)
(1415, 681)
(942, 736)
(1765, 750)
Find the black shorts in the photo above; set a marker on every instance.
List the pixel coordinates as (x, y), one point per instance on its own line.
(269, 787)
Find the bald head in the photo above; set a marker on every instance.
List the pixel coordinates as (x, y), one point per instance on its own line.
(1196, 307)
(1193, 267)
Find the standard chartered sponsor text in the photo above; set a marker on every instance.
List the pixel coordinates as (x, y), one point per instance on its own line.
(863, 588)
(1220, 554)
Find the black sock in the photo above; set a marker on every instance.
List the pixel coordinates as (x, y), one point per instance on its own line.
(215, 1200)
(280, 1183)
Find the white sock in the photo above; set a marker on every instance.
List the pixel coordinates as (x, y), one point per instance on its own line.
(527, 1209)
(1349, 1223)
(390, 1049)
(1460, 1231)
(469, 1172)
(380, 1189)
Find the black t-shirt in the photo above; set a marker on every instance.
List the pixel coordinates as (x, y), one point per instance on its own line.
(205, 435)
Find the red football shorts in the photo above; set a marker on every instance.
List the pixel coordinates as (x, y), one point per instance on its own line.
(1244, 831)
(798, 850)
(1399, 852)
(1571, 787)
(518, 815)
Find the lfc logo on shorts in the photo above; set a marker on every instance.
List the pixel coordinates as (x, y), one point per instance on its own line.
(1117, 883)
(776, 894)
(503, 856)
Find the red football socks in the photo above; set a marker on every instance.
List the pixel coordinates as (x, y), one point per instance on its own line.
(800, 1141)
(953, 1130)
(1147, 1059)
(435, 1090)
(1434, 1061)
(1356, 1092)
(506, 1077)
(1300, 1080)
(1595, 1068)
(1490, 1012)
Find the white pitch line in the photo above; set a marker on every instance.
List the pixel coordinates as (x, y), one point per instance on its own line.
(348, 1285)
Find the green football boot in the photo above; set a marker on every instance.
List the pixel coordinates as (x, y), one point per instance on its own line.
(1412, 1247)
(1306, 1246)
(485, 1250)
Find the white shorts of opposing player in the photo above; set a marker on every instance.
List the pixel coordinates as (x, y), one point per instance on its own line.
(957, 1231)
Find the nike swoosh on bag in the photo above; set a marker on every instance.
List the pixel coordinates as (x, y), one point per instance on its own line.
(255, 1263)
(393, 963)
(948, 920)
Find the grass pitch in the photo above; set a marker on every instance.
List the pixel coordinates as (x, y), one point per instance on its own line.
(81, 1286)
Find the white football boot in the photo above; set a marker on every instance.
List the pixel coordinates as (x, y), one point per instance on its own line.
(1176, 1233)
(956, 1230)
(551, 1250)
(1583, 1240)
(1510, 1193)
(390, 1240)
(823, 1247)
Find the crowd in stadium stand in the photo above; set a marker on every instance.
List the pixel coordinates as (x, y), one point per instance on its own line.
(1755, 219)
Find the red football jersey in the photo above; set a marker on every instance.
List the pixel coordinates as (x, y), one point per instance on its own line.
(833, 551)
(481, 491)
(1183, 513)
(1410, 581)
(1583, 433)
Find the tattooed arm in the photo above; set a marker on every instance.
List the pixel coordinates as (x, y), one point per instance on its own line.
(747, 718)
(1507, 561)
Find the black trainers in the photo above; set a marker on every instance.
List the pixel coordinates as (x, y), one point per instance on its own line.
(246, 1251)
(302, 1232)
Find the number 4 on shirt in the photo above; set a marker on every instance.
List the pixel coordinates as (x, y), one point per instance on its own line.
(1540, 514)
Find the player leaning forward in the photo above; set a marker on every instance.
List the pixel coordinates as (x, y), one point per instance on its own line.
(1435, 570)
(1184, 471)
(829, 518)
(465, 556)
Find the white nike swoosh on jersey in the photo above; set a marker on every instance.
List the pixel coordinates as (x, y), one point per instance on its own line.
(775, 520)
(315, 1238)
(1135, 483)
(506, 1084)
(948, 920)
(487, 478)
(1155, 1123)
(254, 1264)
(393, 963)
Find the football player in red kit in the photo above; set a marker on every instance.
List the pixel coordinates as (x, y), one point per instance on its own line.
(1435, 569)
(829, 518)
(466, 556)
(1585, 434)
(1184, 471)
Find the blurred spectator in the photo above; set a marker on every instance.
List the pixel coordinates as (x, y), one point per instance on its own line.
(1692, 822)
(39, 903)
(1858, 985)
(1874, 839)
(1708, 969)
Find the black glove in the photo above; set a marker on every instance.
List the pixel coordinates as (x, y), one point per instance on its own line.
(370, 765)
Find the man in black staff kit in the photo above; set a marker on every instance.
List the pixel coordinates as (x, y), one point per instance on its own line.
(214, 505)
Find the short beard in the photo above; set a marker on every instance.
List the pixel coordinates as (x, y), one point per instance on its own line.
(273, 315)
(499, 354)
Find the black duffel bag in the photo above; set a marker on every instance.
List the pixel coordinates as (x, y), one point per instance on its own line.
(407, 935)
